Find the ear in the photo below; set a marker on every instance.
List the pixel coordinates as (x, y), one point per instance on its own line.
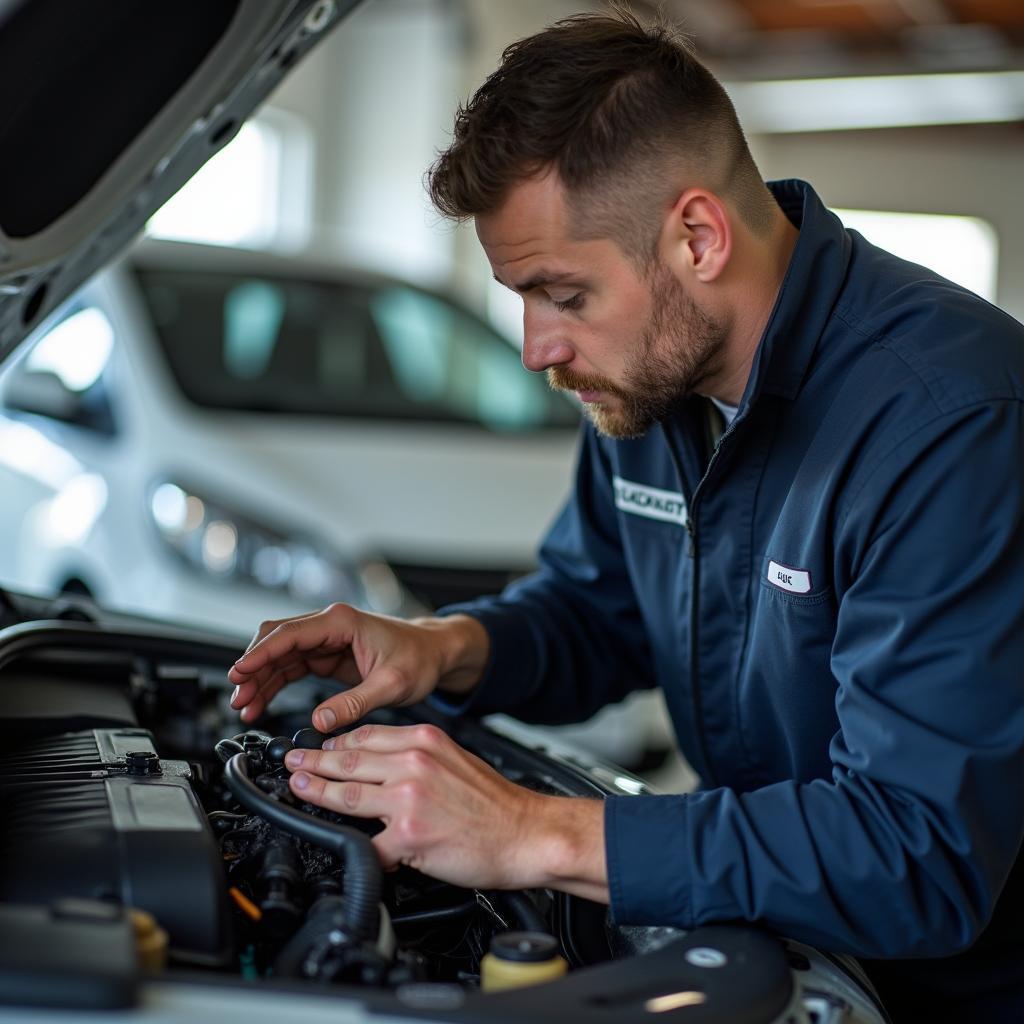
(697, 235)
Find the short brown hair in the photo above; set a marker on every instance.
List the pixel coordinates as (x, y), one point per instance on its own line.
(620, 109)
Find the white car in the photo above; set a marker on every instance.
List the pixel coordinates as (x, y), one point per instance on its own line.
(220, 436)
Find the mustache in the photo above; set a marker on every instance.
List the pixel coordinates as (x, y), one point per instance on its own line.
(562, 379)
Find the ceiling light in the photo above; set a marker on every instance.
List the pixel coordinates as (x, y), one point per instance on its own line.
(880, 101)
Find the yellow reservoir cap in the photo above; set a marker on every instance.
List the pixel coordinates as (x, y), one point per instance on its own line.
(150, 941)
(518, 959)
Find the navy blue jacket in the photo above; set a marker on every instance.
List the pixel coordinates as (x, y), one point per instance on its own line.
(832, 599)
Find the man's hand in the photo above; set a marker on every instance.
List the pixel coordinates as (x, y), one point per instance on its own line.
(451, 815)
(386, 661)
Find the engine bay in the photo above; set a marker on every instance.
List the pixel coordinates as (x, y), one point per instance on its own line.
(150, 837)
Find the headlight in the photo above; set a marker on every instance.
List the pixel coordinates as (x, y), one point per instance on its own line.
(226, 545)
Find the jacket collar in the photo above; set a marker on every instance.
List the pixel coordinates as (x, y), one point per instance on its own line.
(813, 281)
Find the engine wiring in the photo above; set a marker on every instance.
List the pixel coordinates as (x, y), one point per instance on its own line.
(292, 880)
(245, 904)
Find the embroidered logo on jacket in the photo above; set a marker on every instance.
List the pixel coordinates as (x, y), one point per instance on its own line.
(796, 581)
(651, 502)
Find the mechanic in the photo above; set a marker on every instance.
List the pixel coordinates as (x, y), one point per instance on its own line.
(798, 510)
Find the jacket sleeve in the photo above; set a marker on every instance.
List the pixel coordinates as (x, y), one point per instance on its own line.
(569, 639)
(904, 851)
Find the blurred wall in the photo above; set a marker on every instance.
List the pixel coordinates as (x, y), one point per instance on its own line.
(973, 170)
(380, 95)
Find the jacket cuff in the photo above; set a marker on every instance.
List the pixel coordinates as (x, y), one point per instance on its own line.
(648, 866)
(510, 672)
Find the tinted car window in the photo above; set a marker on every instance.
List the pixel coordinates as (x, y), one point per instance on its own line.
(315, 348)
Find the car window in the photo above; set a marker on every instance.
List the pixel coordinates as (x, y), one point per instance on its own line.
(64, 375)
(324, 348)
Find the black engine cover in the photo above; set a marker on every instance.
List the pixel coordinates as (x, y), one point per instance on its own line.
(132, 833)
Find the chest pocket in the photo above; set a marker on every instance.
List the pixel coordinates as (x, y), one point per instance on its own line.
(788, 699)
(793, 623)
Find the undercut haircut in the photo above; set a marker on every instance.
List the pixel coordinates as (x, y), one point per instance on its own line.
(623, 112)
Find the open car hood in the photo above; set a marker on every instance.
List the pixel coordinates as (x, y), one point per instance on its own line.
(109, 109)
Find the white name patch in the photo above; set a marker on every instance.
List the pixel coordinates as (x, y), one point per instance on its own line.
(652, 502)
(796, 581)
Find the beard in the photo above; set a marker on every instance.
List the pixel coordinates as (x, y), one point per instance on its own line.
(679, 347)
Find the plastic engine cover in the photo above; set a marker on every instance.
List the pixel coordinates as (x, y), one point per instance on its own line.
(130, 826)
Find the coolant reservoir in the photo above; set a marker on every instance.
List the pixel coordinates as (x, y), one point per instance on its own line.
(521, 958)
(150, 939)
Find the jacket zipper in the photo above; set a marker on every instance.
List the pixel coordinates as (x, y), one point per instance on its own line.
(695, 694)
(694, 553)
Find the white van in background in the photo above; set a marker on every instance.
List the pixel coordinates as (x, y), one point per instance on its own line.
(220, 436)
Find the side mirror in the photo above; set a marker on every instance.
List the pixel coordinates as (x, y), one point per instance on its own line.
(45, 394)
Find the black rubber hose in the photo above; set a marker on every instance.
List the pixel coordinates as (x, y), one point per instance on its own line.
(437, 914)
(519, 906)
(362, 868)
(226, 749)
(322, 916)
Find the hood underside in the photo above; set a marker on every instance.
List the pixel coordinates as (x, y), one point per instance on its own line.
(109, 109)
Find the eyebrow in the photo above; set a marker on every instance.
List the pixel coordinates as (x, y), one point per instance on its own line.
(541, 279)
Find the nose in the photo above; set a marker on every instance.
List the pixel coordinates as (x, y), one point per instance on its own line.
(544, 342)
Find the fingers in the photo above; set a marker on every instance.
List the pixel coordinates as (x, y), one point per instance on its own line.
(343, 765)
(392, 803)
(385, 662)
(252, 699)
(403, 774)
(323, 632)
(253, 696)
(381, 688)
(386, 739)
(287, 649)
(359, 799)
(444, 811)
(262, 631)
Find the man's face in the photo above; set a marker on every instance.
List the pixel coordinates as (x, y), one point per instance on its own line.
(629, 344)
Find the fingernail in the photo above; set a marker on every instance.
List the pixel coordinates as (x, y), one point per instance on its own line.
(329, 744)
(293, 758)
(328, 719)
(234, 697)
(300, 781)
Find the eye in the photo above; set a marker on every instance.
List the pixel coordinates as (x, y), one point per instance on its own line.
(574, 303)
